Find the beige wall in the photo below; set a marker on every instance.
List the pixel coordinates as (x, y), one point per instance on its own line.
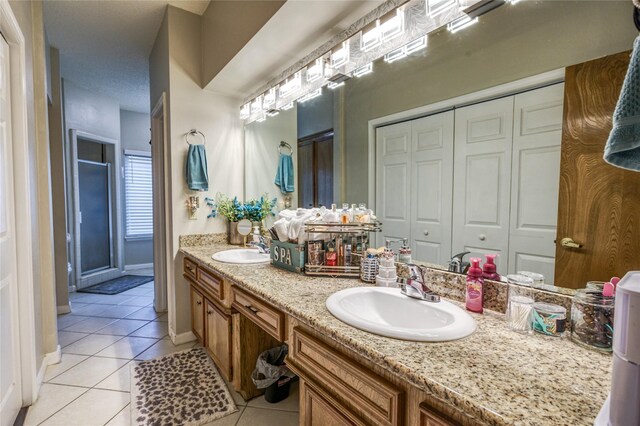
(29, 17)
(261, 142)
(508, 44)
(175, 67)
(227, 26)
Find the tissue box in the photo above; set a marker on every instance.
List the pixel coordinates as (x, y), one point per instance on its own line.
(288, 256)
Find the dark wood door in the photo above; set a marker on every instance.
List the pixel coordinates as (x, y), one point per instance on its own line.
(599, 204)
(315, 170)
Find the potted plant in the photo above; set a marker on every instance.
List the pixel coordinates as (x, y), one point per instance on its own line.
(254, 210)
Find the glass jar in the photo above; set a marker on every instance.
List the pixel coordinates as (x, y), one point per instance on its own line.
(538, 279)
(592, 319)
(520, 307)
(549, 319)
(595, 285)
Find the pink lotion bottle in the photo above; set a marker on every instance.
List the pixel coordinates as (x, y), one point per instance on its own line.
(475, 284)
(489, 268)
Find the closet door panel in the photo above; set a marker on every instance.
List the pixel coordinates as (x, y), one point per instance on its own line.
(482, 179)
(535, 180)
(393, 180)
(431, 187)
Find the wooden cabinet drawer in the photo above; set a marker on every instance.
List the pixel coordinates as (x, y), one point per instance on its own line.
(364, 392)
(197, 314)
(266, 316)
(190, 269)
(211, 282)
(428, 417)
(317, 408)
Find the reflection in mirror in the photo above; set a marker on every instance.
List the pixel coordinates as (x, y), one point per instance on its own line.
(489, 141)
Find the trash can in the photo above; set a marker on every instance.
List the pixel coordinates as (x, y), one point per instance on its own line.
(272, 374)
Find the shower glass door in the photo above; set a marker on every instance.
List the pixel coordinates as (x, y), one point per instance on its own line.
(94, 184)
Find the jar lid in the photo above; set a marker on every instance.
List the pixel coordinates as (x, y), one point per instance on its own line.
(593, 296)
(533, 275)
(549, 308)
(519, 279)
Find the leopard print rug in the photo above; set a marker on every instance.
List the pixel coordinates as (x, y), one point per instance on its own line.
(183, 388)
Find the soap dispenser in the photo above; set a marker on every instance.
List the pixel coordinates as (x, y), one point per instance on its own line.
(475, 284)
(489, 268)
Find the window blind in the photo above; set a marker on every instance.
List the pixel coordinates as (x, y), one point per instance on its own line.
(138, 196)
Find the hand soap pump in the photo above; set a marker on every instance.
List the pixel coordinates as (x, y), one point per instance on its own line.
(475, 286)
(489, 268)
(622, 408)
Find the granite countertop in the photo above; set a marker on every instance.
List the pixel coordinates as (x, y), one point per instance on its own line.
(495, 375)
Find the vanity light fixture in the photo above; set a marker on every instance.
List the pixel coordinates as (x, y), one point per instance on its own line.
(245, 111)
(315, 71)
(331, 85)
(293, 84)
(272, 112)
(262, 118)
(340, 56)
(438, 7)
(311, 95)
(415, 45)
(393, 27)
(287, 106)
(367, 69)
(461, 23)
(269, 98)
(256, 105)
(370, 39)
(513, 1)
(394, 55)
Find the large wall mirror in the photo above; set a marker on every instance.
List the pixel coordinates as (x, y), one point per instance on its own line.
(488, 141)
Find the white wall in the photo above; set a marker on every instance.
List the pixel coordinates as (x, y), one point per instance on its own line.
(135, 135)
(261, 141)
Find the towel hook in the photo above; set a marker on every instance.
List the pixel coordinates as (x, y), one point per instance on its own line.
(195, 132)
(283, 144)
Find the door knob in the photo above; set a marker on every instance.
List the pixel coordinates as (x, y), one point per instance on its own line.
(482, 237)
(569, 243)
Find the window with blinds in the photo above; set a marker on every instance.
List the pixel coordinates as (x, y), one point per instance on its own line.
(138, 196)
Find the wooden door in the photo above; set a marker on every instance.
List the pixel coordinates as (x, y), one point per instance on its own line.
(393, 181)
(599, 204)
(317, 408)
(482, 179)
(315, 170)
(432, 187)
(535, 177)
(197, 314)
(10, 379)
(218, 334)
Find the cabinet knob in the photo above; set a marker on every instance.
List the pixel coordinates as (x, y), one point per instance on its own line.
(199, 302)
(482, 237)
(426, 232)
(568, 242)
(209, 312)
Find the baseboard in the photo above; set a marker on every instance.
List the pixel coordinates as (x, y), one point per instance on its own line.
(64, 309)
(137, 267)
(181, 338)
(49, 359)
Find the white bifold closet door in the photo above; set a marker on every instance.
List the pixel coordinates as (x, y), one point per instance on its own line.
(431, 187)
(482, 176)
(535, 180)
(393, 181)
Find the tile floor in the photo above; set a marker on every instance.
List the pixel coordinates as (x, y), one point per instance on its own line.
(100, 339)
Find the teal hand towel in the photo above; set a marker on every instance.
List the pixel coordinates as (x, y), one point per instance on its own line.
(197, 177)
(284, 175)
(623, 145)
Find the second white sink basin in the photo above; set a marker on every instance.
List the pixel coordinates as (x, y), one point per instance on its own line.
(241, 256)
(387, 312)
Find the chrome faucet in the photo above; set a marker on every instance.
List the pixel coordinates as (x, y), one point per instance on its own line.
(261, 245)
(457, 263)
(415, 286)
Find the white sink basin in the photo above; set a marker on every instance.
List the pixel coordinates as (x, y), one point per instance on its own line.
(241, 256)
(387, 312)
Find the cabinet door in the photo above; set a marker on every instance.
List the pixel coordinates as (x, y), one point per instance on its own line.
(305, 175)
(429, 417)
(219, 338)
(393, 181)
(197, 314)
(482, 179)
(317, 408)
(432, 187)
(535, 179)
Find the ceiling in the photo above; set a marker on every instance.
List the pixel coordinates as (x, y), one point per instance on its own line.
(105, 45)
(273, 49)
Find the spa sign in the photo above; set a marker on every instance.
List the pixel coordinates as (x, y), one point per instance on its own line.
(288, 256)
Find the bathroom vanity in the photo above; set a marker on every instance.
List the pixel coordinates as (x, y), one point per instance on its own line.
(351, 377)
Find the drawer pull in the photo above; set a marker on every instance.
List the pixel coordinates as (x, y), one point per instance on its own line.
(199, 302)
(209, 312)
(252, 309)
(190, 269)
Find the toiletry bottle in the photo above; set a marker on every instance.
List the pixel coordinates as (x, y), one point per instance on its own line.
(404, 254)
(352, 213)
(331, 259)
(489, 268)
(347, 252)
(344, 214)
(475, 284)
